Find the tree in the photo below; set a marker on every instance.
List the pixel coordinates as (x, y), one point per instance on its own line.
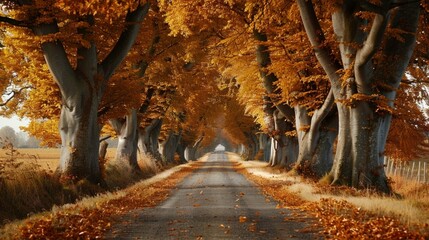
(8, 135)
(375, 42)
(71, 38)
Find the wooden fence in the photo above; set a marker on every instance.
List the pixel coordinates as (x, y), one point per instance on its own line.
(415, 171)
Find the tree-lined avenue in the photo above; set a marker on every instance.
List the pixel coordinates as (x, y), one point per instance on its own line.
(214, 202)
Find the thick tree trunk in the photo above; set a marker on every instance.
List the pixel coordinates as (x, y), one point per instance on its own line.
(362, 129)
(359, 161)
(316, 141)
(148, 139)
(126, 129)
(181, 151)
(103, 151)
(147, 162)
(80, 134)
(253, 146)
(169, 146)
(82, 89)
(284, 148)
(265, 146)
(190, 151)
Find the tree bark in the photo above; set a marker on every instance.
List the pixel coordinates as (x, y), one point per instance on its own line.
(148, 139)
(264, 60)
(126, 129)
(284, 148)
(169, 147)
(265, 146)
(181, 151)
(81, 91)
(316, 141)
(190, 151)
(362, 128)
(80, 132)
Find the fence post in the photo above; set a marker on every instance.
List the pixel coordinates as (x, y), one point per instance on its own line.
(386, 165)
(412, 171)
(418, 174)
(424, 172)
(408, 172)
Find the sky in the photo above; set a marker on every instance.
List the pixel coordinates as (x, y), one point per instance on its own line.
(13, 122)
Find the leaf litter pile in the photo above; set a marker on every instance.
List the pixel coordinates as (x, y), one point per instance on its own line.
(79, 222)
(339, 219)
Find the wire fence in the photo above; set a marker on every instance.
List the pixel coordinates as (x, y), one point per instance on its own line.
(417, 171)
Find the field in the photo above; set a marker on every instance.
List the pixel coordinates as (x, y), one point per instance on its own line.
(46, 158)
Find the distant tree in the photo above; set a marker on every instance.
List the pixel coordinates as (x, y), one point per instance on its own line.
(21, 139)
(7, 134)
(32, 142)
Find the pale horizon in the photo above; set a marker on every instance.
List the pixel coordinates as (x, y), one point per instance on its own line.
(14, 122)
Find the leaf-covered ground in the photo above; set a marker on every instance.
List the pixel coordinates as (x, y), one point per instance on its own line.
(91, 218)
(339, 218)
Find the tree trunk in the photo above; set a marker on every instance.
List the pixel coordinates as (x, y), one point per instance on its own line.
(359, 162)
(190, 151)
(102, 157)
(126, 129)
(148, 163)
(284, 148)
(169, 147)
(181, 151)
(148, 139)
(253, 145)
(103, 151)
(363, 125)
(316, 141)
(82, 89)
(80, 134)
(265, 146)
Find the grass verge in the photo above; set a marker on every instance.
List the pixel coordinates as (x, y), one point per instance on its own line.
(92, 216)
(343, 212)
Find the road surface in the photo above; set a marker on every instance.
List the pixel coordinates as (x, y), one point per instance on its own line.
(213, 202)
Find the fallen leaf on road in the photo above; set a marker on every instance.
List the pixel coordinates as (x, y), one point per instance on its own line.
(242, 219)
(252, 227)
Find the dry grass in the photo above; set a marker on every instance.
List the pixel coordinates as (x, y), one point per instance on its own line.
(412, 209)
(46, 158)
(91, 217)
(30, 174)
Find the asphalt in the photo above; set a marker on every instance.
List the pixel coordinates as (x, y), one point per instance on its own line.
(215, 202)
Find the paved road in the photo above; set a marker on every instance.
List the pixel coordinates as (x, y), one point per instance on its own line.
(214, 202)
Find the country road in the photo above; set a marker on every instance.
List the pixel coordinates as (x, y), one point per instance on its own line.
(213, 202)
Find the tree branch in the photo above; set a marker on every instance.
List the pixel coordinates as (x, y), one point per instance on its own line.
(14, 93)
(399, 4)
(143, 108)
(105, 138)
(143, 64)
(321, 113)
(14, 22)
(367, 6)
(264, 60)
(57, 61)
(406, 19)
(317, 38)
(373, 40)
(125, 41)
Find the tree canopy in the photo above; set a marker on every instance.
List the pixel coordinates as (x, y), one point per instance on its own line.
(336, 85)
